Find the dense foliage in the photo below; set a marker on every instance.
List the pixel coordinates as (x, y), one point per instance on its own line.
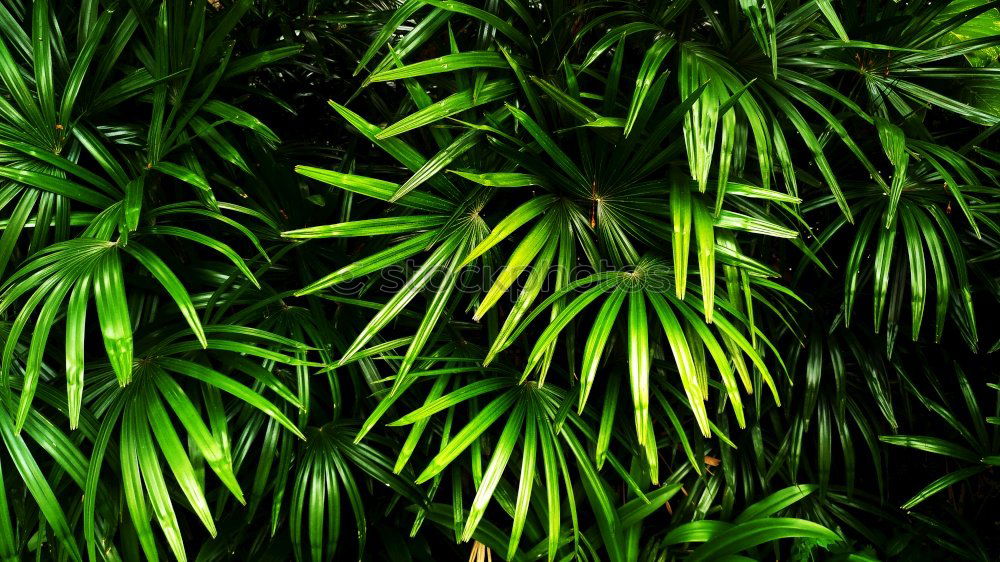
(524, 280)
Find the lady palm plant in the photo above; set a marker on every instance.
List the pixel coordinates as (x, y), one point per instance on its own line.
(115, 140)
(551, 280)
